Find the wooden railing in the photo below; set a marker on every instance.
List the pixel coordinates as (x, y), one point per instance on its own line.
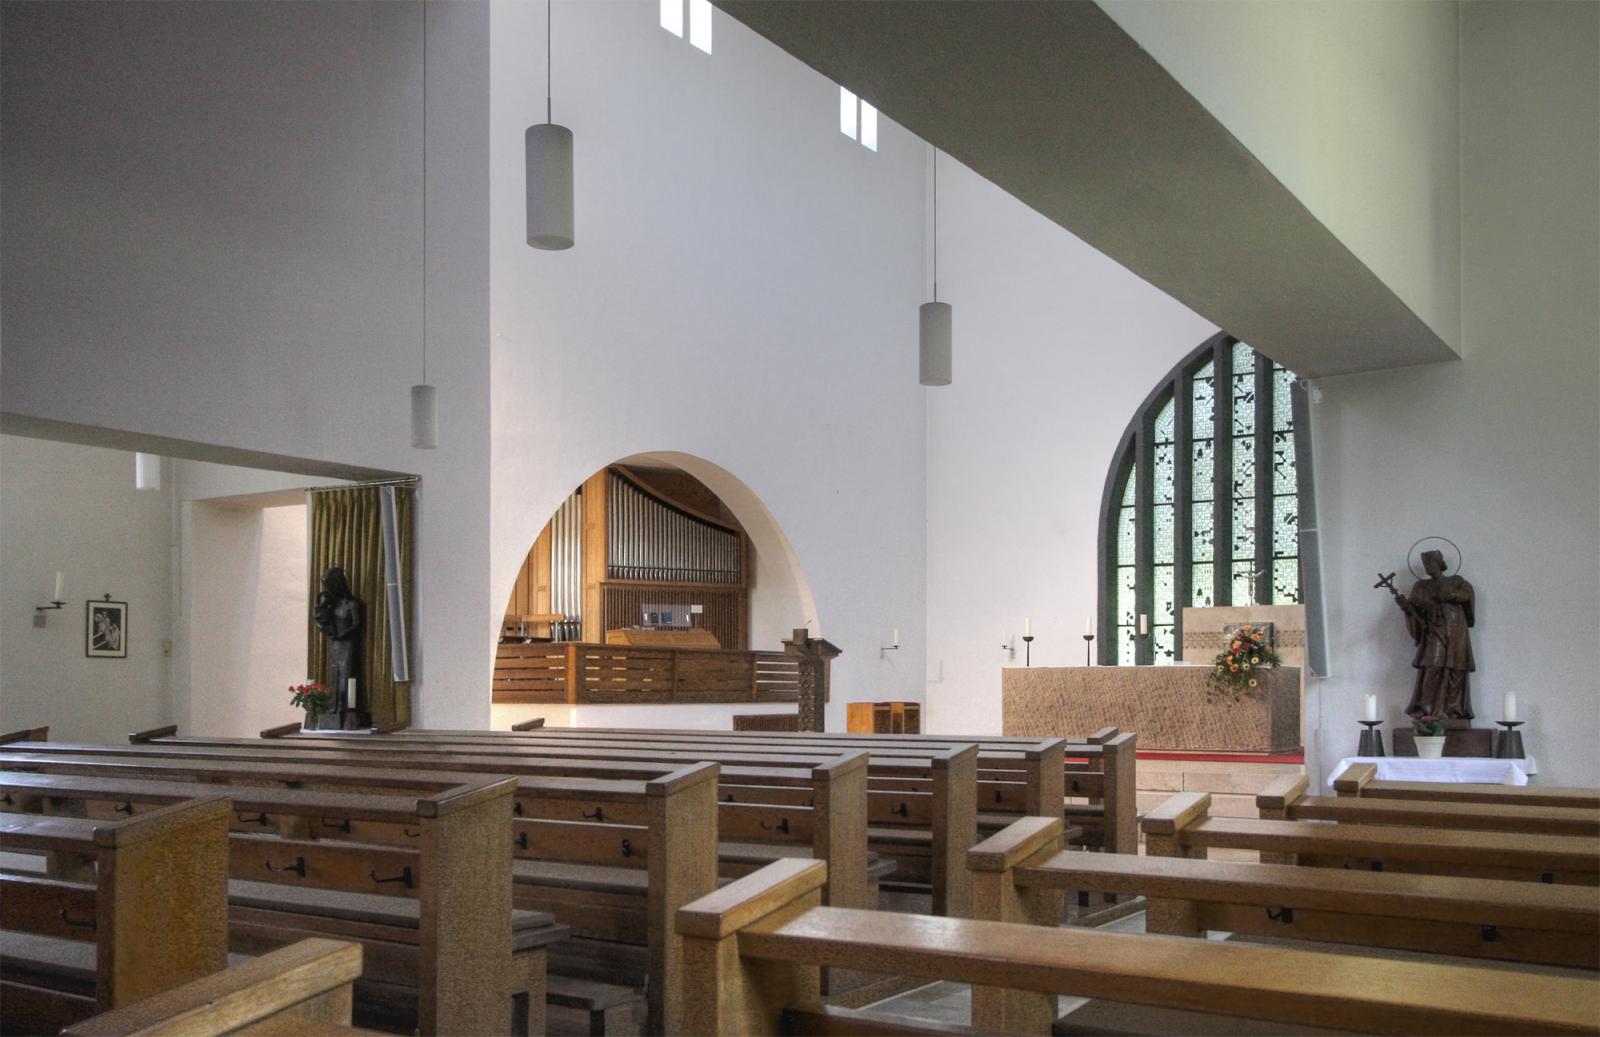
(577, 673)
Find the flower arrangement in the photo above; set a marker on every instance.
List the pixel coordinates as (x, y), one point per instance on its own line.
(313, 697)
(1428, 726)
(1235, 670)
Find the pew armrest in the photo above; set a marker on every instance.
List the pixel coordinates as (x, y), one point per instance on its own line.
(1282, 793)
(150, 734)
(1355, 779)
(1177, 813)
(281, 731)
(235, 998)
(1102, 736)
(26, 734)
(1019, 841)
(529, 725)
(746, 901)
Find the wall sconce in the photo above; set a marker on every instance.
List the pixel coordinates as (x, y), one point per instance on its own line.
(893, 646)
(1008, 644)
(58, 600)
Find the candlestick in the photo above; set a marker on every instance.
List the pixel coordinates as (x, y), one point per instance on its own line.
(895, 638)
(1088, 627)
(1509, 745)
(1510, 709)
(1027, 649)
(350, 694)
(61, 588)
(1088, 640)
(1144, 624)
(1371, 743)
(1371, 707)
(1027, 627)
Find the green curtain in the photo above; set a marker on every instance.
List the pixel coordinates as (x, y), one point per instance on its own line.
(347, 531)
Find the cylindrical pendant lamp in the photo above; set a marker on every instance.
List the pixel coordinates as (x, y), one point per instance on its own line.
(935, 336)
(147, 471)
(424, 417)
(547, 166)
(547, 153)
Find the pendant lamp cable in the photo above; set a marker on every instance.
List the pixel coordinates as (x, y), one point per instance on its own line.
(548, 5)
(935, 224)
(423, 5)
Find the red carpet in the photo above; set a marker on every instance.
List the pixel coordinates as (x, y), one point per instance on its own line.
(1298, 756)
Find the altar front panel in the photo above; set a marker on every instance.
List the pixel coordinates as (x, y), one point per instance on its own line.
(1170, 708)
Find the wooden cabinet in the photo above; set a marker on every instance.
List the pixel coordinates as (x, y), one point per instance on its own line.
(884, 718)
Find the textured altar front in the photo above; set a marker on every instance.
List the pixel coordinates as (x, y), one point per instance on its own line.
(1170, 707)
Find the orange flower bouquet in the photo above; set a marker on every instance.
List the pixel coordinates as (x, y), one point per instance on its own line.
(1236, 670)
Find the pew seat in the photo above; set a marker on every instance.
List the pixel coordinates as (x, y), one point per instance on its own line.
(605, 1004)
(66, 965)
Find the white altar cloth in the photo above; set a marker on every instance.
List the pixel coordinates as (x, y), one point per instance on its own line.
(1474, 770)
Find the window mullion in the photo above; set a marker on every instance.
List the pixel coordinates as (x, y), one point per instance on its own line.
(1144, 520)
(1264, 497)
(1182, 504)
(1222, 475)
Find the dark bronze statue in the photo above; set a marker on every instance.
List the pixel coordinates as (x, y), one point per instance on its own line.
(1439, 613)
(340, 616)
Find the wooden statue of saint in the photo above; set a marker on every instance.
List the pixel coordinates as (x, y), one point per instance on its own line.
(340, 616)
(1439, 614)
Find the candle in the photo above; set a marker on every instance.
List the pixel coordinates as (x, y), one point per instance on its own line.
(1371, 707)
(61, 587)
(1027, 628)
(1144, 624)
(1511, 706)
(895, 640)
(350, 693)
(1088, 626)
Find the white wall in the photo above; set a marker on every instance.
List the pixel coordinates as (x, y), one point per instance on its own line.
(74, 508)
(227, 251)
(744, 290)
(246, 595)
(1501, 451)
(1352, 105)
(1055, 347)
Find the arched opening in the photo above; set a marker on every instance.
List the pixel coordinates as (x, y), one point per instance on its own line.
(659, 593)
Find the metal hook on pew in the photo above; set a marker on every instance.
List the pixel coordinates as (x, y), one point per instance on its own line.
(124, 808)
(409, 834)
(67, 919)
(403, 877)
(1490, 933)
(997, 797)
(6, 799)
(627, 848)
(781, 826)
(1074, 788)
(1283, 914)
(298, 867)
(342, 826)
(901, 811)
(516, 808)
(598, 815)
(259, 819)
(522, 840)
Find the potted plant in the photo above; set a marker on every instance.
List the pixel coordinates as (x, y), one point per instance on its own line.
(1428, 730)
(312, 697)
(1236, 670)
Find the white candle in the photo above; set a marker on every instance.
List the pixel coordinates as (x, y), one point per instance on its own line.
(1511, 706)
(1371, 707)
(61, 587)
(895, 639)
(1088, 626)
(1144, 624)
(350, 693)
(1027, 628)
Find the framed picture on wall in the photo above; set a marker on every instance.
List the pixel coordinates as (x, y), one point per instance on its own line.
(106, 630)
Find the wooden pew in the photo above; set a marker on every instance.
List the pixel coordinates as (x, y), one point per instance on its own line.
(648, 838)
(304, 988)
(1361, 779)
(1285, 798)
(752, 950)
(441, 865)
(1483, 918)
(145, 899)
(1181, 827)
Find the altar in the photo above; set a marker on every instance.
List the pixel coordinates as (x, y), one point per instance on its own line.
(1170, 707)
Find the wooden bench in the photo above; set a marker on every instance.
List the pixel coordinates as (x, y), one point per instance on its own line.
(305, 988)
(1181, 827)
(1285, 798)
(1360, 779)
(610, 858)
(446, 851)
(1484, 918)
(752, 950)
(126, 909)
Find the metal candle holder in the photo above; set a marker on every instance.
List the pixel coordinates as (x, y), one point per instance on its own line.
(1088, 642)
(1027, 649)
(1509, 745)
(1371, 739)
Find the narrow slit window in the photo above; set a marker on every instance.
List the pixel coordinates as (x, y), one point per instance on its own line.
(869, 126)
(700, 24)
(672, 16)
(847, 113)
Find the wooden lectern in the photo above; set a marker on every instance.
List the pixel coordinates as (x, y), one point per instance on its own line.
(815, 655)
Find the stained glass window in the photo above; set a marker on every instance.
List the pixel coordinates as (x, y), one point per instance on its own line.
(1212, 477)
